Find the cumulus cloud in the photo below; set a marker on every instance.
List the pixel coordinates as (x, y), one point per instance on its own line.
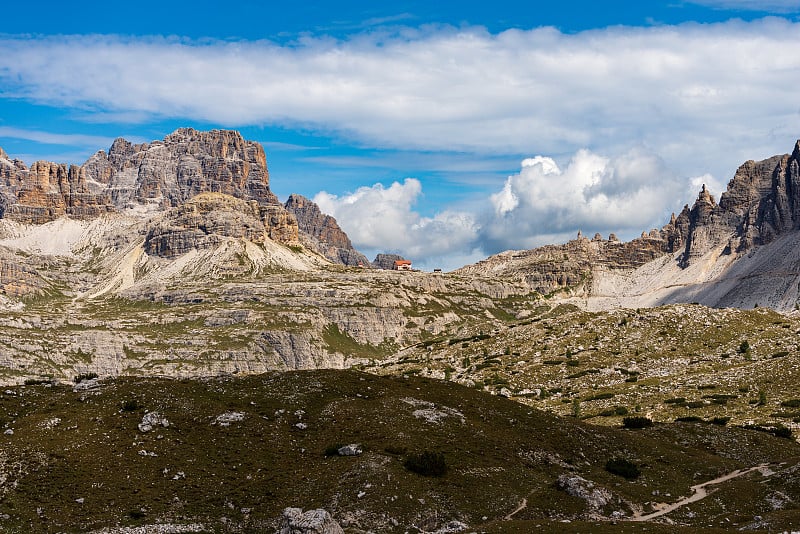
(697, 92)
(544, 203)
(382, 219)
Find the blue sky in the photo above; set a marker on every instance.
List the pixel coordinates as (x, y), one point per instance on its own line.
(445, 131)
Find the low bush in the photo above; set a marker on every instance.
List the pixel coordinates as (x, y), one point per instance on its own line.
(622, 467)
(84, 376)
(333, 450)
(426, 463)
(636, 421)
(37, 381)
(601, 396)
(131, 405)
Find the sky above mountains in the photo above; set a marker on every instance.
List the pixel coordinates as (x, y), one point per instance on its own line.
(444, 131)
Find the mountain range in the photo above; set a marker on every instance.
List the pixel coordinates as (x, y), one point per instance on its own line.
(740, 252)
(182, 352)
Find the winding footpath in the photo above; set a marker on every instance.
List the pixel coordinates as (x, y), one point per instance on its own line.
(700, 492)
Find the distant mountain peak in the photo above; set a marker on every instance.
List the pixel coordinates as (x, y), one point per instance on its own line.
(150, 178)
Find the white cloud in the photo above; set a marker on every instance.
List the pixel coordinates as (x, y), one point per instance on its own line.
(541, 204)
(55, 138)
(702, 94)
(382, 219)
(704, 97)
(767, 6)
(545, 204)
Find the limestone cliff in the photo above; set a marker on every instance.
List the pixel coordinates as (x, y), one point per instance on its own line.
(145, 177)
(738, 252)
(322, 233)
(150, 178)
(762, 202)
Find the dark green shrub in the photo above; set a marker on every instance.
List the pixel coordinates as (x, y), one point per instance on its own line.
(84, 376)
(426, 463)
(676, 400)
(636, 421)
(333, 450)
(620, 410)
(791, 403)
(131, 405)
(722, 421)
(782, 432)
(37, 381)
(689, 419)
(601, 396)
(622, 467)
(396, 449)
(744, 347)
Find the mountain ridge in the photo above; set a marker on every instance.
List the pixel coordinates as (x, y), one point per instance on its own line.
(705, 245)
(149, 178)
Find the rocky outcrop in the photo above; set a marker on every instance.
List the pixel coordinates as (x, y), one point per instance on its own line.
(386, 261)
(569, 266)
(186, 163)
(322, 233)
(156, 175)
(319, 521)
(46, 192)
(18, 279)
(202, 222)
(163, 175)
(762, 202)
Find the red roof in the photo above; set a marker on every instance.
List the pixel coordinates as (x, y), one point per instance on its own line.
(402, 262)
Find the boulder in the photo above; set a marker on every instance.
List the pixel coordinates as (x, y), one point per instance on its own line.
(319, 521)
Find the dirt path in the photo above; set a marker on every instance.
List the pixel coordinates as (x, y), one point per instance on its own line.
(522, 506)
(699, 492)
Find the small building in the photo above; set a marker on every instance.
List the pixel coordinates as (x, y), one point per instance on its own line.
(402, 265)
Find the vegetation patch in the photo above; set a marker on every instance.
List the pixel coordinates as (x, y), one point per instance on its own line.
(636, 421)
(427, 464)
(623, 467)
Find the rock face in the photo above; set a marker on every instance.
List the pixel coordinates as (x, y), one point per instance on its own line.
(186, 163)
(386, 261)
(201, 222)
(156, 176)
(319, 521)
(761, 206)
(165, 175)
(557, 267)
(321, 232)
(762, 202)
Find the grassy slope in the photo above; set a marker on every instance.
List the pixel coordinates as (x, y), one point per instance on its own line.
(632, 359)
(242, 476)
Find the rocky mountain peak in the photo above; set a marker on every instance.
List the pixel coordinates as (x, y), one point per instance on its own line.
(761, 202)
(156, 177)
(321, 232)
(3, 154)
